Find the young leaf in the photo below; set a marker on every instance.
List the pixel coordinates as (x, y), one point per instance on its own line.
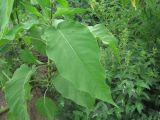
(142, 84)
(16, 92)
(11, 34)
(134, 2)
(35, 38)
(76, 54)
(33, 2)
(45, 6)
(29, 24)
(5, 11)
(31, 9)
(27, 57)
(63, 3)
(124, 2)
(139, 107)
(44, 3)
(2, 80)
(68, 11)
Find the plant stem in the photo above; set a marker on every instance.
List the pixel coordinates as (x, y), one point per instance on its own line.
(17, 13)
(49, 69)
(6, 75)
(4, 110)
(51, 11)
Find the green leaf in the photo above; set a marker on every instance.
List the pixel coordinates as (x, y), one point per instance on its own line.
(27, 57)
(68, 90)
(35, 38)
(139, 107)
(124, 2)
(2, 80)
(31, 9)
(16, 92)
(45, 5)
(76, 54)
(4, 73)
(12, 33)
(63, 3)
(68, 11)
(5, 11)
(100, 32)
(142, 84)
(46, 107)
(29, 24)
(3, 42)
(33, 2)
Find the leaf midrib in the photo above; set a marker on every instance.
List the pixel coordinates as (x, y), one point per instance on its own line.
(84, 64)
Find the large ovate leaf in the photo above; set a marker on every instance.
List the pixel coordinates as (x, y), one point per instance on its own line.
(68, 90)
(76, 54)
(17, 92)
(5, 11)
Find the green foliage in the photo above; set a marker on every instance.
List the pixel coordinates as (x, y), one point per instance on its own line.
(27, 57)
(17, 91)
(63, 3)
(68, 11)
(36, 36)
(134, 76)
(103, 34)
(46, 107)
